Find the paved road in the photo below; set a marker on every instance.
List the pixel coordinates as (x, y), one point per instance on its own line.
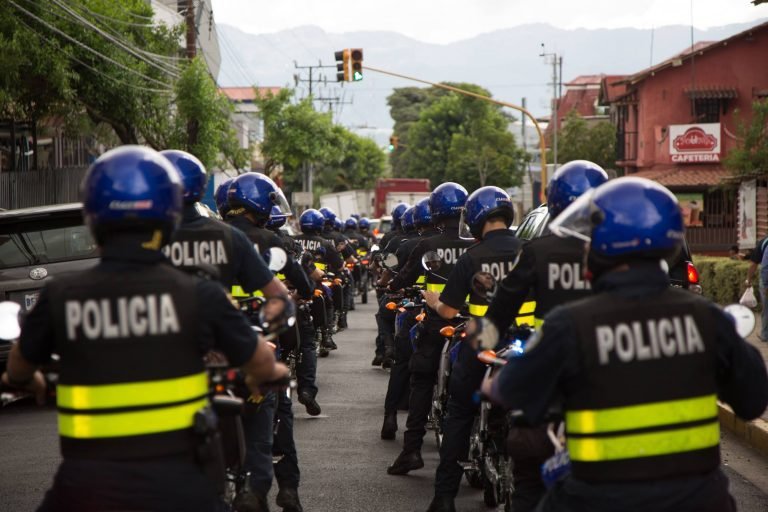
(342, 458)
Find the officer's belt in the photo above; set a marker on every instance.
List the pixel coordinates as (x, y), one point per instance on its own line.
(152, 407)
(601, 435)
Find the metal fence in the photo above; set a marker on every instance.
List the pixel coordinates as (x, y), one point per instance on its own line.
(38, 188)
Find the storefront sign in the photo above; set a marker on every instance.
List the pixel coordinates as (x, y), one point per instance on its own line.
(694, 143)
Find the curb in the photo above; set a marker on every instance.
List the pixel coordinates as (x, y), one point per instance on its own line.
(754, 433)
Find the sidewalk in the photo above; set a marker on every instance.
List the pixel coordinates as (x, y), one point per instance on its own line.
(754, 433)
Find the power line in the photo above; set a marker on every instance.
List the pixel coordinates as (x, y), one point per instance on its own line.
(119, 42)
(84, 46)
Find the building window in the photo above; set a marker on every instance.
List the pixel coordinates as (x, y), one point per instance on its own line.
(707, 110)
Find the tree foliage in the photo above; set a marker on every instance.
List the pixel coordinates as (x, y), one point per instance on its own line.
(108, 60)
(297, 136)
(578, 141)
(751, 157)
(456, 138)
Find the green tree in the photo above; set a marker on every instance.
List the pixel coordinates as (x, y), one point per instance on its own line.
(359, 162)
(465, 140)
(578, 141)
(751, 157)
(405, 107)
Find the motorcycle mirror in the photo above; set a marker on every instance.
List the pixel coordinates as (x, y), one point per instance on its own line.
(389, 261)
(9, 320)
(374, 248)
(485, 285)
(743, 318)
(276, 258)
(431, 261)
(276, 315)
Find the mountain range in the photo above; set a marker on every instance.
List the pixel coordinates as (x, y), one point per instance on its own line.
(507, 62)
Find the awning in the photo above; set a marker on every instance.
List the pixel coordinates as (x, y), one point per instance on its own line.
(678, 177)
(713, 92)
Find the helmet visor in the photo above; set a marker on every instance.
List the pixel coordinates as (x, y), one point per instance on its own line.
(465, 233)
(279, 200)
(578, 219)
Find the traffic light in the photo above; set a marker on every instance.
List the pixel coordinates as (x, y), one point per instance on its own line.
(393, 140)
(356, 56)
(342, 65)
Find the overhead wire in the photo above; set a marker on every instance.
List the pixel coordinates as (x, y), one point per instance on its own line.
(118, 41)
(83, 45)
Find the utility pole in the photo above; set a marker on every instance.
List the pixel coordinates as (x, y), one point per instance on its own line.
(557, 65)
(189, 17)
(299, 79)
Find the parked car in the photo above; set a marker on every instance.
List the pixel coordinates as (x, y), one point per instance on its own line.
(682, 271)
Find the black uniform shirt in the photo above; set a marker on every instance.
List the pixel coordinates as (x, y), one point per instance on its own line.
(409, 244)
(221, 326)
(459, 283)
(552, 362)
(249, 269)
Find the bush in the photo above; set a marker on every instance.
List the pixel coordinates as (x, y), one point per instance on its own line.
(722, 278)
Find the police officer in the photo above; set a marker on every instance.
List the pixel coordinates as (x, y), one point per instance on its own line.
(385, 319)
(445, 203)
(487, 216)
(549, 273)
(222, 197)
(330, 232)
(203, 241)
(638, 366)
(398, 387)
(251, 199)
(131, 334)
(364, 225)
(352, 232)
(326, 258)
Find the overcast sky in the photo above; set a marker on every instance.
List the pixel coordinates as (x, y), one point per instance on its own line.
(443, 21)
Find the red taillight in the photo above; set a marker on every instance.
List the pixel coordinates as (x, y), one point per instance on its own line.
(693, 274)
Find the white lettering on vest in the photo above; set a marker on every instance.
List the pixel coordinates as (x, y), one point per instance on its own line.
(309, 245)
(656, 339)
(136, 316)
(566, 276)
(191, 253)
(450, 255)
(498, 270)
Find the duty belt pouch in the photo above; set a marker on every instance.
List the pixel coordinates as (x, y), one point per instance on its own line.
(210, 451)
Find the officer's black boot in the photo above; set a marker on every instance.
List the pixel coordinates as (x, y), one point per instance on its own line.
(377, 360)
(442, 504)
(389, 427)
(405, 462)
(250, 501)
(288, 498)
(308, 401)
(343, 321)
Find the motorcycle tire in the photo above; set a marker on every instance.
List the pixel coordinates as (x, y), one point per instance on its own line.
(474, 478)
(490, 493)
(364, 297)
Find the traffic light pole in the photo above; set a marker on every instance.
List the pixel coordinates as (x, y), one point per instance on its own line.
(542, 143)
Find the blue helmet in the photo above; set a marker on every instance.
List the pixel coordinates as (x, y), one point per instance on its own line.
(350, 223)
(192, 172)
(625, 218)
(131, 187)
(422, 216)
(256, 193)
(337, 224)
(311, 221)
(364, 224)
(446, 201)
(407, 220)
(485, 203)
(329, 215)
(397, 214)
(222, 197)
(570, 181)
(277, 219)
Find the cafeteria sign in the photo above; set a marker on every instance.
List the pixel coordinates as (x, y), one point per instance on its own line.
(694, 143)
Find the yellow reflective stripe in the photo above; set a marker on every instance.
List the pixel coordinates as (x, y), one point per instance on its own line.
(320, 266)
(362, 252)
(88, 426)
(594, 449)
(281, 277)
(631, 417)
(421, 280)
(529, 320)
(525, 314)
(527, 307)
(238, 292)
(130, 394)
(477, 309)
(435, 287)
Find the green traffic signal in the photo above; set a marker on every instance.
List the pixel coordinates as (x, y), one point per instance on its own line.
(357, 76)
(391, 147)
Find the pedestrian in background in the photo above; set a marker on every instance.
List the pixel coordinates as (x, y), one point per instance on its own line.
(756, 257)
